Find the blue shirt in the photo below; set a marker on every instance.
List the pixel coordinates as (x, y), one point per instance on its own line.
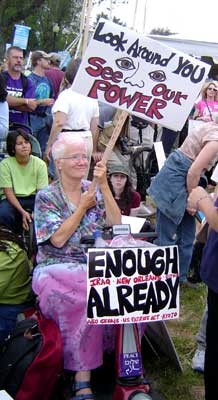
(43, 90)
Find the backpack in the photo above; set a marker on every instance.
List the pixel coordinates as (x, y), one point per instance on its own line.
(15, 269)
(31, 359)
(24, 81)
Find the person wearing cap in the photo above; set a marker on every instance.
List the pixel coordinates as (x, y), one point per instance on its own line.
(41, 118)
(54, 73)
(121, 187)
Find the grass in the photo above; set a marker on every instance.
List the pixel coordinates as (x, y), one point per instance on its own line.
(166, 379)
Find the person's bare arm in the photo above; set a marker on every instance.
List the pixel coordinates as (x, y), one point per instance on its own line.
(113, 215)
(196, 113)
(45, 102)
(22, 103)
(97, 155)
(68, 227)
(10, 196)
(205, 118)
(95, 132)
(199, 199)
(207, 154)
(59, 119)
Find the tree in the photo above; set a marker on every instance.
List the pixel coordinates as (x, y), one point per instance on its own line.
(11, 13)
(161, 31)
(105, 16)
(64, 14)
(41, 16)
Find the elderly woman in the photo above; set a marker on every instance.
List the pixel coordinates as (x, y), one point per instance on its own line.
(65, 211)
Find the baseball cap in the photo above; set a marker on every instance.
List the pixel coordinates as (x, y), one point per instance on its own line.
(119, 169)
(38, 54)
(55, 58)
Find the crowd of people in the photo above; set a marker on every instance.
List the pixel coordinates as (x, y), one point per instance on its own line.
(73, 131)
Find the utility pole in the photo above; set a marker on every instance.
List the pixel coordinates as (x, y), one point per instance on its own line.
(140, 9)
(81, 41)
(135, 14)
(86, 24)
(144, 19)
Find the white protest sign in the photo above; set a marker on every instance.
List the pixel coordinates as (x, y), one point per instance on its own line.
(5, 396)
(127, 285)
(140, 75)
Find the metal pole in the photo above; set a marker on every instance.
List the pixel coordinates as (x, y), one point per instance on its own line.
(144, 19)
(111, 12)
(134, 14)
(86, 27)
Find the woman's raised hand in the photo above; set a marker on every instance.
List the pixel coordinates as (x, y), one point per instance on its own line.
(100, 173)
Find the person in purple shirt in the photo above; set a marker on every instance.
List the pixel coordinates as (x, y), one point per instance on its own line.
(21, 92)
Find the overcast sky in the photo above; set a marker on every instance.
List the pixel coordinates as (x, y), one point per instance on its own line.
(192, 19)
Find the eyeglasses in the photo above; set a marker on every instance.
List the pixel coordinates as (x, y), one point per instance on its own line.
(76, 157)
(210, 88)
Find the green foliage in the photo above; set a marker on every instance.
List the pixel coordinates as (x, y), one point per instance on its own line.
(161, 31)
(166, 380)
(105, 16)
(41, 16)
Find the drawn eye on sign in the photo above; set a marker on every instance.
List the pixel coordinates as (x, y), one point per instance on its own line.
(132, 76)
(158, 76)
(126, 64)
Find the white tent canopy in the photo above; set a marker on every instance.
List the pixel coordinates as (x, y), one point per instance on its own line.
(193, 47)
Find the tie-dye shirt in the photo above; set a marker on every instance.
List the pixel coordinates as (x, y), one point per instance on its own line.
(51, 210)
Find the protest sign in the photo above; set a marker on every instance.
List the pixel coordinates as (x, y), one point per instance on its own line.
(21, 36)
(127, 285)
(140, 75)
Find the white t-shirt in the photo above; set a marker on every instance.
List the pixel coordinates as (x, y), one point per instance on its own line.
(79, 109)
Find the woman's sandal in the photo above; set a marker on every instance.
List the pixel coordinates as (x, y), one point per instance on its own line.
(76, 386)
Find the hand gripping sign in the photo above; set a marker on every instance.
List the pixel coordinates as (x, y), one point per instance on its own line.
(139, 75)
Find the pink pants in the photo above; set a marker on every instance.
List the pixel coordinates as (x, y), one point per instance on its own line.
(62, 291)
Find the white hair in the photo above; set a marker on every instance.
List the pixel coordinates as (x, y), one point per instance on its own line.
(64, 141)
